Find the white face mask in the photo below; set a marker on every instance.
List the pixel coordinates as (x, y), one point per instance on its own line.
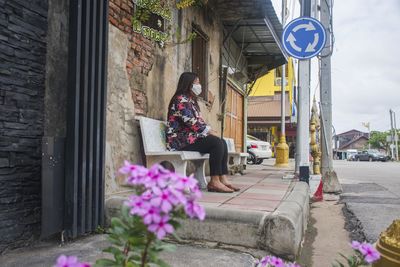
(196, 89)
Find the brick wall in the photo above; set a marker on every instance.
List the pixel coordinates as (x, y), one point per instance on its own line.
(141, 54)
(23, 26)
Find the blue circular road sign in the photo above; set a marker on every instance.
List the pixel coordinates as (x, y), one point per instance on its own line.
(304, 38)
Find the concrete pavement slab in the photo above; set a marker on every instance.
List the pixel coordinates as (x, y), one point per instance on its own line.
(89, 249)
(260, 196)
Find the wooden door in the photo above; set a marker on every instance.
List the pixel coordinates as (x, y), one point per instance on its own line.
(234, 117)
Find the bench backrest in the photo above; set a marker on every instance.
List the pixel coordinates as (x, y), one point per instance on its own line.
(153, 135)
(231, 145)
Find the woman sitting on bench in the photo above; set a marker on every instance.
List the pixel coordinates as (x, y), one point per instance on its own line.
(186, 130)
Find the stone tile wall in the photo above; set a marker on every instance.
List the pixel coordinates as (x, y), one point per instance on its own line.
(23, 27)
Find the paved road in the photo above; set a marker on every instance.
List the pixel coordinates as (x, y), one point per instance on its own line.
(371, 193)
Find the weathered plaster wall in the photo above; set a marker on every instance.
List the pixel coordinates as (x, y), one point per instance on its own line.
(122, 140)
(142, 77)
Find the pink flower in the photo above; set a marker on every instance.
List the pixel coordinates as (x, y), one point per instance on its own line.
(162, 199)
(177, 196)
(264, 262)
(165, 192)
(196, 193)
(355, 245)
(277, 262)
(369, 252)
(135, 173)
(193, 209)
(162, 228)
(138, 205)
(184, 182)
(152, 215)
(69, 261)
(158, 176)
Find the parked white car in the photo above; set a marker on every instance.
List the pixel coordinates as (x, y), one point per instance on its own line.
(258, 150)
(351, 153)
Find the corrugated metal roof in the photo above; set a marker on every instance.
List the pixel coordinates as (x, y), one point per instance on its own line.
(254, 26)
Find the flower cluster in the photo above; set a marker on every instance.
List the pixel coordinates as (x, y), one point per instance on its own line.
(69, 261)
(162, 193)
(271, 261)
(367, 250)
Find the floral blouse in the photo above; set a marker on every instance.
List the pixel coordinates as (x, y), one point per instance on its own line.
(185, 124)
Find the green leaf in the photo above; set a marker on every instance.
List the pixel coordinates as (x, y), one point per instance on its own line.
(167, 247)
(112, 250)
(340, 264)
(105, 263)
(176, 237)
(161, 263)
(134, 240)
(114, 239)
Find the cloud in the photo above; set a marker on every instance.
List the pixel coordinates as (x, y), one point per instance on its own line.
(365, 65)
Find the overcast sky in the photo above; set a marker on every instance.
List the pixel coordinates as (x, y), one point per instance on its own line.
(365, 62)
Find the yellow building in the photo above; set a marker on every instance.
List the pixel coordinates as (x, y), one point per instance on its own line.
(270, 83)
(264, 108)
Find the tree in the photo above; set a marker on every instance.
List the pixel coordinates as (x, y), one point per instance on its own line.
(378, 140)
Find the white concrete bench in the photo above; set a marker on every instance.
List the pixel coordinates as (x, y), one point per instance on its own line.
(237, 160)
(154, 143)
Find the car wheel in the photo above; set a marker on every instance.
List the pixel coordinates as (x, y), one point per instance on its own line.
(370, 159)
(251, 159)
(259, 161)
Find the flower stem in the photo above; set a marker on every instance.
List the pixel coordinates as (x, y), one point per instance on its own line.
(145, 251)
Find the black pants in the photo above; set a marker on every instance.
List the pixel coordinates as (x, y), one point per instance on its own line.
(218, 150)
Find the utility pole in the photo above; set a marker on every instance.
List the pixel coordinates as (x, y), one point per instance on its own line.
(282, 149)
(329, 176)
(303, 115)
(394, 137)
(391, 134)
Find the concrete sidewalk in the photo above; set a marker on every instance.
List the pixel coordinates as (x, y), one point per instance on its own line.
(269, 213)
(268, 216)
(89, 249)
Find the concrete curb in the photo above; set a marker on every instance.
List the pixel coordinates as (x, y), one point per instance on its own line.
(228, 226)
(284, 228)
(280, 232)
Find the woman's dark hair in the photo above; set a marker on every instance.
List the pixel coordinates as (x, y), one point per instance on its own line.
(184, 86)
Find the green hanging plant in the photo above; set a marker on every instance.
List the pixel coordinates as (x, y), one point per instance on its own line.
(145, 8)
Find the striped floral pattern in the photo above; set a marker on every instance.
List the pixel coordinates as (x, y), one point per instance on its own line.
(185, 124)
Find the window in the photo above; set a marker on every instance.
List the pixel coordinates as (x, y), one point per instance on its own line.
(278, 75)
(278, 71)
(199, 59)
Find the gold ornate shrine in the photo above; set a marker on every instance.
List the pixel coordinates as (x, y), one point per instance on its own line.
(388, 246)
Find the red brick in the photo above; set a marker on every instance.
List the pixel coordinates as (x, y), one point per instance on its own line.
(114, 22)
(126, 21)
(125, 7)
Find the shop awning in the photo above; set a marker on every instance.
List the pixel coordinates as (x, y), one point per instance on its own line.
(254, 26)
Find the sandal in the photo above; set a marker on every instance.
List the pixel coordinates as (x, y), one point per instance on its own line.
(234, 188)
(212, 188)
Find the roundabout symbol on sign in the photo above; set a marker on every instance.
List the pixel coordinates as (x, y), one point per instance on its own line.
(304, 38)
